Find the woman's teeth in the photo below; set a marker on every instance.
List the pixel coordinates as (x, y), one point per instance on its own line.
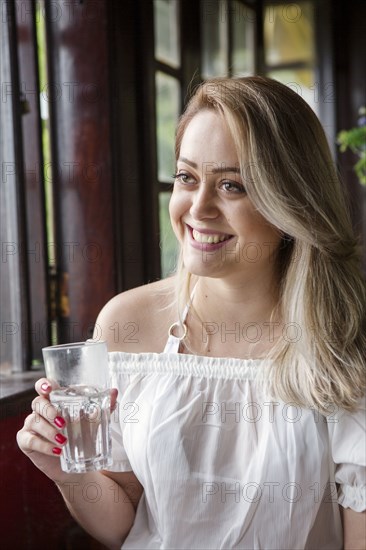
(210, 239)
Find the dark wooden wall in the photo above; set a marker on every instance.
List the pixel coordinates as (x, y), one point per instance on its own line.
(33, 514)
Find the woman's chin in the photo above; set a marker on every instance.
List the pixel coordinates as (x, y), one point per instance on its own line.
(204, 267)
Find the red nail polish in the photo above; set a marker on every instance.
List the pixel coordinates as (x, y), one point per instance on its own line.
(56, 451)
(60, 438)
(45, 386)
(59, 421)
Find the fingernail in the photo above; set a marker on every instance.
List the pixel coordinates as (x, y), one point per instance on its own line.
(59, 421)
(45, 386)
(56, 451)
(60, 438)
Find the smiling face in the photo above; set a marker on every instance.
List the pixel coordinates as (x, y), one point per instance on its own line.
(220, 231)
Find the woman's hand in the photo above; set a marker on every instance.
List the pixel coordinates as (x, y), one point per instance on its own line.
(41, 438)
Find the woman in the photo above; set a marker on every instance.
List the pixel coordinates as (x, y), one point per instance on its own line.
(238, 429)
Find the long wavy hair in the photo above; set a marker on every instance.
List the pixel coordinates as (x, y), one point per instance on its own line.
(290, 177)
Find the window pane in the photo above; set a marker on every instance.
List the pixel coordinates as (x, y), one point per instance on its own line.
(13, 317)
(166, 26)
(302, 82)
(168, 242)
(214, 18)
(167, 113)
(242, 22)
(289, 33)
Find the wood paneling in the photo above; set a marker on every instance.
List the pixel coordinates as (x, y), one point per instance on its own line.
(33, 512)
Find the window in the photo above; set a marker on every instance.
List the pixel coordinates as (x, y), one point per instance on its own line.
(24, 284)
(237, 38)
(227, 31)
(12, 287)
(57, 220)
(228, 38)
(289, 46)
(168, 106)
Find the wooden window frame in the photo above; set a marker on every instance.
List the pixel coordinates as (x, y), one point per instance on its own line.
(32, 324)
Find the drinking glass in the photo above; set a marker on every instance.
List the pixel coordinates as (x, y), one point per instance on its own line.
(80, 380)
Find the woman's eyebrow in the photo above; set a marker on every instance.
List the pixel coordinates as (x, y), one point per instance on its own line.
(213, 170)
(183, 159)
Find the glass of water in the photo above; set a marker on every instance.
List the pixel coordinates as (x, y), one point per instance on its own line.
(81, 394)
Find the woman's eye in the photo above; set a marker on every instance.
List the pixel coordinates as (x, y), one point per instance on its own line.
(233, 187)
(181, 177)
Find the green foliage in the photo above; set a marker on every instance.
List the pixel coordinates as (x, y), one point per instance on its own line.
(355, 140)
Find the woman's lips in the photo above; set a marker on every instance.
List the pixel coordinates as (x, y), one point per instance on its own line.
(208, 239)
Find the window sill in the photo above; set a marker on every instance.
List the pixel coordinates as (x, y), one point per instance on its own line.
(12, 385)
(17, 392)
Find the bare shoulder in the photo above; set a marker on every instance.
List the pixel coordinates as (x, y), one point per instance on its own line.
(138, 320)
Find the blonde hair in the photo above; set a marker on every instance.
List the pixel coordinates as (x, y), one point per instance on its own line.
(289, 176)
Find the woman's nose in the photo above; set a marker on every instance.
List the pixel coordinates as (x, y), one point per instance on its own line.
(204, 203)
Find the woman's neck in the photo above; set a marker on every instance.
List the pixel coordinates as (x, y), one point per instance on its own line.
(233, 321)
(251, 300)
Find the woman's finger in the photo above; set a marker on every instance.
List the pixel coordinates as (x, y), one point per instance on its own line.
(114, 395)
(30, 442)
(43, 408)
(39, 426)
(43, 386)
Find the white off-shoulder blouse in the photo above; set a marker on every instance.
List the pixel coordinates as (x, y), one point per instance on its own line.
(224, 467)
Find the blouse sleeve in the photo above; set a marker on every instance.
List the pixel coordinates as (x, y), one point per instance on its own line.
(120, 458)
(348, 447)
(121, 461)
